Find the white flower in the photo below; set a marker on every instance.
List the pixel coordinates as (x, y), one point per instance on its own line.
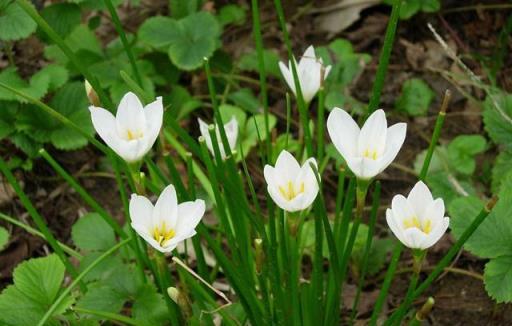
(367, 151)
(292, 187)
(167, 223)
(418, 221)
(134, 129)
(310, 71)
(231, 129)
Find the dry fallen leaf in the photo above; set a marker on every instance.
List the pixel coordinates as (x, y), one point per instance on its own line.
(341, 15)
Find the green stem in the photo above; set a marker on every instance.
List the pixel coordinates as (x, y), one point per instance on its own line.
(321, 123)
(124, 40)
(109, 316)
(80, 66)
(78, 279)
(366, 253)
(446, 260)
(83, 193)
(39, 221)
(258, 40)
(397, 251)
(70, 251)
(384, 57)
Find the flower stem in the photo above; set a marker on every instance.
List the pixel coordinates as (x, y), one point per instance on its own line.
(397, 251)
(124, 40)
(321, 123)
(384, 57)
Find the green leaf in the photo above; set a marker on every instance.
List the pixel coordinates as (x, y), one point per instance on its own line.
(102, 297)
(15, 24)
(227, 112)
(4, 238)
(249, 62)
(493, 238)
(409, 8)
(193, 42)
(149, 307)
(8, 112)
(449, 187)
(26, 144)
(16, 309)
(40, 279)
(498, 278)
(57, 76)
(231, 14)
(498, 121)
(462, 151)
(104, 270)
(62, 17)
(92, 233)
(180, 9)
(255, 125)
(159, 32)
(502, 167)
(84, 43)
(430, 5)
(245, 99)
(415, 98)
(37, 87)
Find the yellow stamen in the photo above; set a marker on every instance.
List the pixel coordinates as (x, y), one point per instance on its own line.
(131, 135)
(414, 222)
(289, 192)
(372, 155)
(162, 234)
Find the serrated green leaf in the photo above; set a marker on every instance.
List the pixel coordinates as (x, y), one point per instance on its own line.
(4, 237)
(193, 42)
(102, 297)
(415, 98)
(8, 112)
(40, 278)
(502, 167)
(57, 75)
(84, 43)
(149, 307)
(62, 17)
(498, 278)
(462, 150)
(493, 238)
(159, 32)
(16, 309)
(449, 187)
(92, 233)
(104, 270)
(37, 87)
(25, 143)
(15, 24)
(498, 120)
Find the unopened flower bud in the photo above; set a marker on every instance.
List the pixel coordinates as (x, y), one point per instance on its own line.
(91, 94)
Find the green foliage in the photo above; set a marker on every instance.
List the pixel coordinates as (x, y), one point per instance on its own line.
(493, 239)
(15, 24)
(4, 238)
(410, 8)
(187, 41)
(231, 14)
(498, 118)
(62, 17)
(416, 97)
(92, 233)
(249, 62)
(462, 150)
(502, 166)
(36, 285)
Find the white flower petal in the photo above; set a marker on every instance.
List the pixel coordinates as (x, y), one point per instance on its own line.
(288, 76)
(105, 124)
(130, 116)
(435, 211)
(141, 230)
(436, 233)
(344, 132)
(369, 168)
(154, 113)
(420, 198)
(189, 215)
(394, 140)
(279, 200)
(141, 210)
(394, 224)
(414, 238)
(231, 129)
(372, 137)
(287, 166)
(166, 208)
(401, 209)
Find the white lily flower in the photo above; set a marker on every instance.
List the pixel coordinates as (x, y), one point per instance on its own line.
(292, 187)
(367, 151)
(418, 221)
(310, 71)
(231, 129)
(134, 129)
(167, 223)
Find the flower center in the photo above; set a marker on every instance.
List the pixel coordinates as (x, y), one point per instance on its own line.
(132, 135)
(370, 154)
(289, 191)
(414, 222)
(163, 234)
